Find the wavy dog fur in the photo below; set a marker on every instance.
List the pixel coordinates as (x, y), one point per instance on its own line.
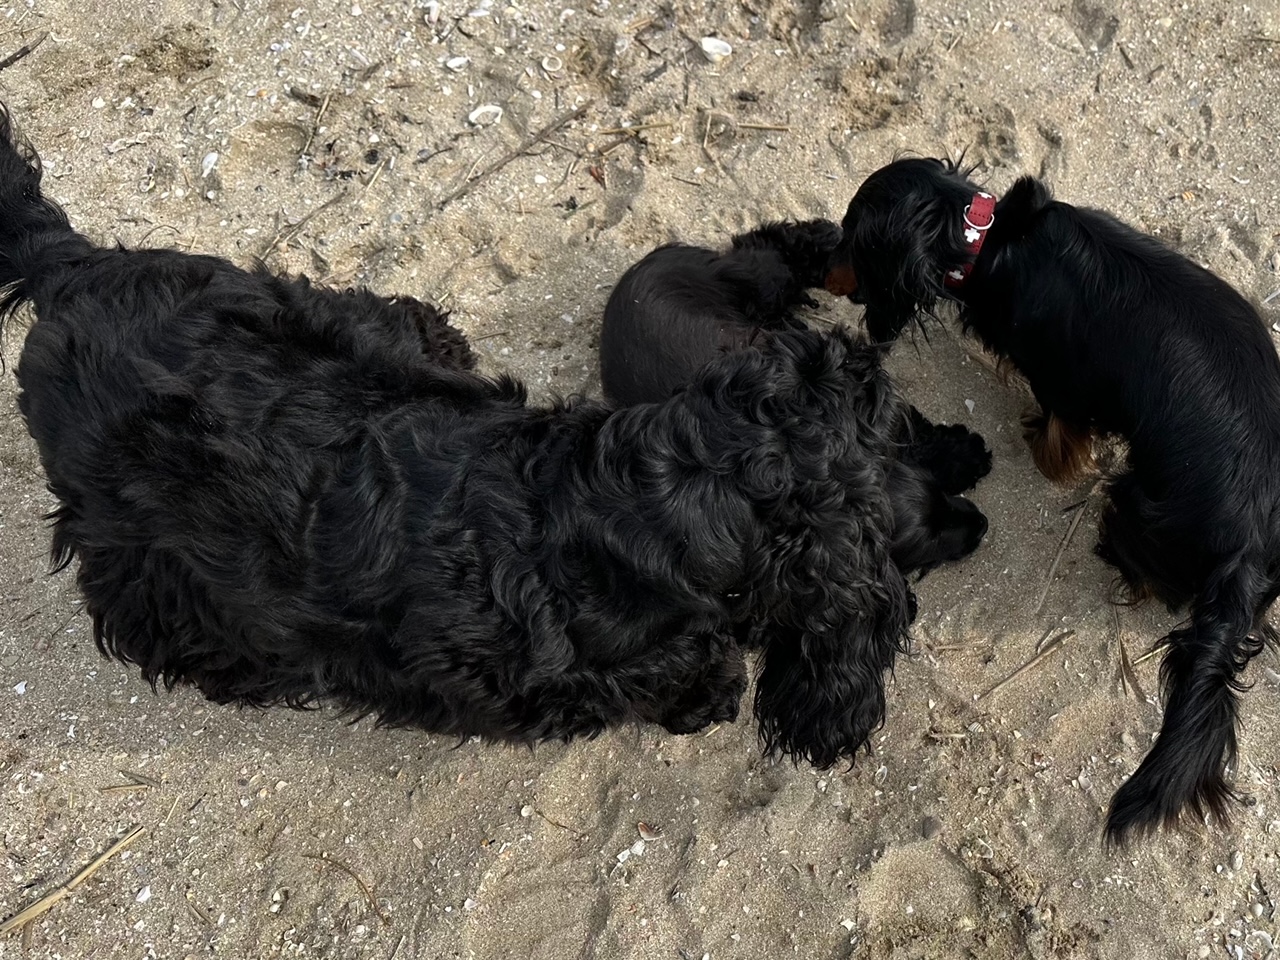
(278, 493)
(682, 306)
(1119, 335)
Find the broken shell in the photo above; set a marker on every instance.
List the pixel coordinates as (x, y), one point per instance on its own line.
(485, 116)
(552, 65)
(457, 63)
(648, 832)
(1260, 942)
(715, 49)
(207, 164)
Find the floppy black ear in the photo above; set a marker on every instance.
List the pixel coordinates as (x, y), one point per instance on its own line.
(846, 605)
(820, 693)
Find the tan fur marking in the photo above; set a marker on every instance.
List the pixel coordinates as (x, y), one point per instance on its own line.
(1062, 451)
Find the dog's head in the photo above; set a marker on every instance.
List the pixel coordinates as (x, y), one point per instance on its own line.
(902, 232)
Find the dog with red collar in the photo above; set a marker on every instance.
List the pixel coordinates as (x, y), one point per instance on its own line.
(1118, 335)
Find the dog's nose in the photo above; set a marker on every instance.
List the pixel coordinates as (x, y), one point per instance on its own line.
(983, 525)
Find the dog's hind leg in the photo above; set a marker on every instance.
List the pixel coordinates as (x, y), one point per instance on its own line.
(1184, 772)
(1130, 539)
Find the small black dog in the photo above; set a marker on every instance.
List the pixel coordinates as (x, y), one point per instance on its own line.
(278, 492)
(682, 306)
(1120, 336)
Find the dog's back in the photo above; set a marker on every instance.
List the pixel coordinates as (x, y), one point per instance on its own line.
(1119, 333)
(681, 306)
(669, 314)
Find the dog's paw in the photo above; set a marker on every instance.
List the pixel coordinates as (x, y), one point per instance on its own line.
(956, 456)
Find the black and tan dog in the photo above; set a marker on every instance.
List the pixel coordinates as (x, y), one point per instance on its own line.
(1118, 335)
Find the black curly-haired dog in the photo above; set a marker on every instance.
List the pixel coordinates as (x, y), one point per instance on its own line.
(278, 493)
(682, 306)
(1118, 335)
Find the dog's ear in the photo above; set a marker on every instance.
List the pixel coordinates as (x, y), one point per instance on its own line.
(847, 607)
(820, 693)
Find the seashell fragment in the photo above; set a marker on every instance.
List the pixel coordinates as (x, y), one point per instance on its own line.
(485, 116)
(715, 49)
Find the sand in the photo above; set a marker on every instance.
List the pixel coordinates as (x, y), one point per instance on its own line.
(973, 830)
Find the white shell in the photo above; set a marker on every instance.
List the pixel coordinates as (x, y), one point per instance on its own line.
(715, 49)
(457, 63)
(485, 116)
(552, 64)
(207, 164)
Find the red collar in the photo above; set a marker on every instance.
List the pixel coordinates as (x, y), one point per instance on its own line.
(978, 218)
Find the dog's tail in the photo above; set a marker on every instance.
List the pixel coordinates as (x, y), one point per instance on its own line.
(1184, 772)
(30, 224)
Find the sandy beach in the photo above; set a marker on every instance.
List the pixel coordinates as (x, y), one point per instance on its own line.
(334, 139)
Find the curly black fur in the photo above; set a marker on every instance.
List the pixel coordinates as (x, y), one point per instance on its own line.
(278, 492)
(1119, 335)
(682, 306)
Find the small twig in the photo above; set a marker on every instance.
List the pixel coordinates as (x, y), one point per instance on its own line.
(1039, 658)
(577, 834)
(610, 147)
(159, 226)
(764, 126)
(692, 183)
(561, 121)
(283, 237)
(1271, 296)
(1043, 641)
(614, 131)
(124, 787)
(1154, 651)
(1128, 676)
(172, 808)
(50, 900)
(374, 177)
(48, 641)
(198, 911)
(315, 124)
(364, 888)
(302, 96)
(23, 51)
(1062, 547)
